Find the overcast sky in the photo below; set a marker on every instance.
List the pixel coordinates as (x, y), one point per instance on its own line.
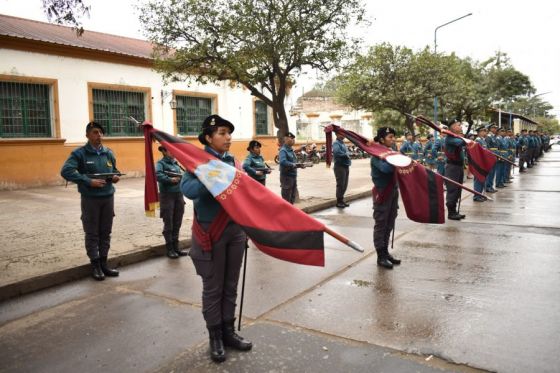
(525, 30)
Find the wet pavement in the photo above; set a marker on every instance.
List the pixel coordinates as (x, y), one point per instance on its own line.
(482, 293)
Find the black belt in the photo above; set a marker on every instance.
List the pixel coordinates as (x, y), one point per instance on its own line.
(456, 163)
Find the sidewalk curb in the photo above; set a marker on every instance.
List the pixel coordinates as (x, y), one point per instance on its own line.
(76, 273)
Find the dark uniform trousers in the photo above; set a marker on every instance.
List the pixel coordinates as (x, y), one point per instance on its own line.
(288, 185)
(384, 215)
(456, 173)
(97, 220)
(219, 270)
(172, 208)
(341, 173)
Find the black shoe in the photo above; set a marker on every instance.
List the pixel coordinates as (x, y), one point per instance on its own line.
(178, 250)
(170, 251)
(385, 263)
(394, 260)
(461, 216)
(340, 205)
(96, 271)
(232, 339)
(478, 199)
(500, 186)
(346, 204)
(453, 216)
(491, 190)
(106, 270)
(216, 344)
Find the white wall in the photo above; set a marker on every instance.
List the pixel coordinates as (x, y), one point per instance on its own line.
(73, 74)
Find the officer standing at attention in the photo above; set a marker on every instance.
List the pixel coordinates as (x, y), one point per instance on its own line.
(478, 184)
(523, 144)
(342, 164)
(454, 170)
(502, 150)
(407, 147)
(430, 153)
(254, 164)
(288, 169)
(217, 247)
(492, 144)
(418, 149)
(385, 200)
(97, 201)
(171, 202)
(439, 145)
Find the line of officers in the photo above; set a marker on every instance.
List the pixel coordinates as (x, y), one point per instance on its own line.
(528, 145)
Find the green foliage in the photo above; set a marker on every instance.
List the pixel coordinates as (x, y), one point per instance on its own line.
(504, 82)
(66, 12)
(548, 125)
(394, 78)
(261, 44)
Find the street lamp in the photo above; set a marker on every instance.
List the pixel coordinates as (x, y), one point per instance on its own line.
(435, 52)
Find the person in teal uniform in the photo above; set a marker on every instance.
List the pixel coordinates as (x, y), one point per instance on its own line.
(492, 144)
(97, 196)
(386, 200)
(171, 202)
(430, 153)
(454, 170)
(522, 145)
(254, 163)
(288, 169)
(439, 148)
(342, 163)
(502, 151)
(217, 248)
(407, 147)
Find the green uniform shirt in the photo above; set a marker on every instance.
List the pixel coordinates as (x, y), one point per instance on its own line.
(164, 181)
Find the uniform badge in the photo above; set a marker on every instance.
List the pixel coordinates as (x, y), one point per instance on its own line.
(109, 164)
(213, 122)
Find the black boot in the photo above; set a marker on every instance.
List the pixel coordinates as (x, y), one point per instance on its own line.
(383, 259)
(394, 260)
(217, 352)
(452, 213)
(340, 204)
(178, 250)
(232, 339)
(96, 271)
(170, 251)
(106, 270)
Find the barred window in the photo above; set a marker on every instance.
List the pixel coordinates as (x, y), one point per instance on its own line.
(112, 110)
(25, 110)
(261, 118)
(191, 112)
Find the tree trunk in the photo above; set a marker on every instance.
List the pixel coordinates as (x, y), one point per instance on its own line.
(409, 122)
(280, 118)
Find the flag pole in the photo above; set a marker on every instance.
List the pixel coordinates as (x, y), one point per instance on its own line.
(466, 188)
(243, 285)
(354, 245)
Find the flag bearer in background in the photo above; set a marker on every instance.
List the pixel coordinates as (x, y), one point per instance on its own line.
(385, 200)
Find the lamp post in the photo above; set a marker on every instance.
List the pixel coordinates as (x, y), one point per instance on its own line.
(435, 52)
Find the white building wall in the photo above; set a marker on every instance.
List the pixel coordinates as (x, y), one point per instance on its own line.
(73, 75)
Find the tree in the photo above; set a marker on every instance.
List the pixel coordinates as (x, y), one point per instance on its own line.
(260, 44)
(394, 78)
(66, 12)
(548, 125)
(503, 81)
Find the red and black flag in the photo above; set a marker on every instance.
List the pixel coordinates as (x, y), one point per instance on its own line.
(421, 189)
(276, 227)
(481, 160)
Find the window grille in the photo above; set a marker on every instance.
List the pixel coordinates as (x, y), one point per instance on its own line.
(261, 118)
(25, 110)
(112, 108)
(191, 112)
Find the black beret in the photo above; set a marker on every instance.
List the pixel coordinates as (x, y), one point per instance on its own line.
(210, 124)
(492, 125)
(91, 125)
(290, 135)
(252, 144)
(383, 132)
(481, 128)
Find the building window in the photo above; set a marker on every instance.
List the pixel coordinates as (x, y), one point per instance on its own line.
(261, 118)
(112, 110)
(25, 110)
(191, 112)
